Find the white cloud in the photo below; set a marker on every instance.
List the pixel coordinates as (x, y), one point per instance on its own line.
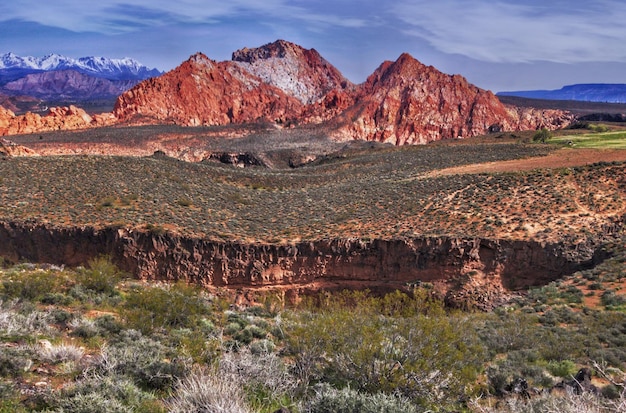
(513, 31)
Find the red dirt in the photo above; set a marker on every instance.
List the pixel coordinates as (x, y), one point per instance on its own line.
(563, 158)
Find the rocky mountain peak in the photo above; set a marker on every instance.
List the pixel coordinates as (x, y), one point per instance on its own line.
(299, 72)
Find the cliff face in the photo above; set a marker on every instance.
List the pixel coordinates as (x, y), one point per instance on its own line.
(457, 265)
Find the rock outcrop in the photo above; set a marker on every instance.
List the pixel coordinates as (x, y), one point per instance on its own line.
(407, 102)
(58, 118)
(299, 72)
(11, 149)
(204, 92)
(453, 264)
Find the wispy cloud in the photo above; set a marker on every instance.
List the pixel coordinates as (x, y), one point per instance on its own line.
(119, 16)
(513, 31)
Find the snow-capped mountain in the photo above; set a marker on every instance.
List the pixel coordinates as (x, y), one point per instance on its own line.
(113, 69)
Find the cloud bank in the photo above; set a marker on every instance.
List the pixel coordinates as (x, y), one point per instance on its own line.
(508, 31)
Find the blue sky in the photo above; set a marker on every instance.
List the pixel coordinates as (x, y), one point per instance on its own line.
(498, 45)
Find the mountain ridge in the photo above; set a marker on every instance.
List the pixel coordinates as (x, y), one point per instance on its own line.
(402, 102)
(585, 92)
(112, 69)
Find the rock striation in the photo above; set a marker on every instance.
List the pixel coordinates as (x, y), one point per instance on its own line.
(460, 267)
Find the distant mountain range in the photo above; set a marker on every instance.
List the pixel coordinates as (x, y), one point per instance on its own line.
(592, 92)
(112, 69)
(60, 79)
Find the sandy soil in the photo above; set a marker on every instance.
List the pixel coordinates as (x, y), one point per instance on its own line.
(563, 158)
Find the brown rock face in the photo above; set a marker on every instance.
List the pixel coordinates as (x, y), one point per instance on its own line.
(204, 92)
(301, 73)
(457, 265)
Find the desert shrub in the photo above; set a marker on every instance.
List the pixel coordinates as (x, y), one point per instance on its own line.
(10, 399)
(328, 399)
(542, 135)
(359, 348)
(31, 285)
(59, 353)
(204, 391)
(262, 347)
(83, 327)
(564, 368)
(153, 308)
(18, 321)
(101, 276)
(611, 300)
(550, 403)
(15, 361)
(107, 324)
(104, 394)
(266, 379)
(148, 362)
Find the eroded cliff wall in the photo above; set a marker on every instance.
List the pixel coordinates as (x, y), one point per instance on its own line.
(455, 263)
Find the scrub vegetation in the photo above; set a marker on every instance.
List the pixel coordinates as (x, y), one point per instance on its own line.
(92, 339)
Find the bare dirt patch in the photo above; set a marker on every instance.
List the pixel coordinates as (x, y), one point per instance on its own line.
(562, 158)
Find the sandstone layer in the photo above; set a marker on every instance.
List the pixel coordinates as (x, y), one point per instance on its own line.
(482, 268)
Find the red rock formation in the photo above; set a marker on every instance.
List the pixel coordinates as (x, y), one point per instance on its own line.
(58, 118)
(402, 102)
(204, 92)
(406, 102)
(11, 149)
(460, 266)
(299, 72)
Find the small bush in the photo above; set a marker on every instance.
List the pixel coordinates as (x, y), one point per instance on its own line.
(204, 391)
(100, 276)
(564, 368)
(179, 306)
(15, 361)
(542, 135)
(328, 399)
(59, 353)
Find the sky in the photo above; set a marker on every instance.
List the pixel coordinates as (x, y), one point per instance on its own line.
(501, 45)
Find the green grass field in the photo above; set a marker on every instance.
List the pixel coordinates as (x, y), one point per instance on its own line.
(595, 140)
